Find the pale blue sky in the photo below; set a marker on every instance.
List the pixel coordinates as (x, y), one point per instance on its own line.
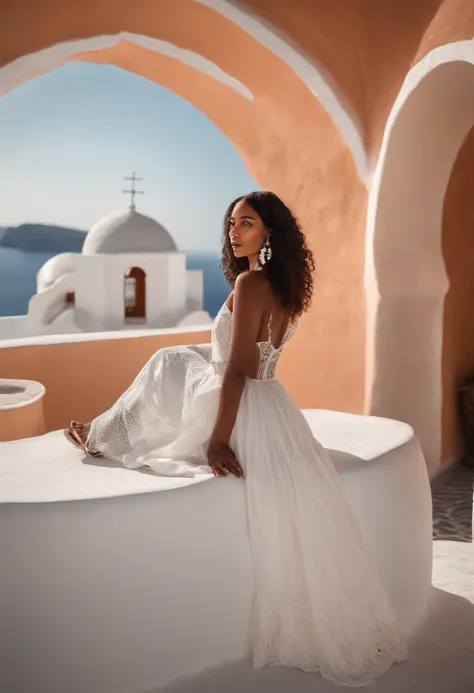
(68, 138)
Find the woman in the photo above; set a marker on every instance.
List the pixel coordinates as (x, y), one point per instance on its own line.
(319, 605)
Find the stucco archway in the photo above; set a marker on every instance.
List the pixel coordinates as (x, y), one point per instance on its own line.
(406, 279)
(312, 165)
(158, 26)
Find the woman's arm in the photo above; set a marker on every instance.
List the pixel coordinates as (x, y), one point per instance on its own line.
(243, 363)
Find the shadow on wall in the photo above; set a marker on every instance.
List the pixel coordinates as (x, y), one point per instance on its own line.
(458, 329)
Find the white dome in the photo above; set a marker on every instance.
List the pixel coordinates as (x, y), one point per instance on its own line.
(55, 268)
(128, 232)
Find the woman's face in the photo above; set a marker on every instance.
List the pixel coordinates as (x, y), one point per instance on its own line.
(247, 232)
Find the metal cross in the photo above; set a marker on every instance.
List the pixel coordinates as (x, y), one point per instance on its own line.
(133, 192)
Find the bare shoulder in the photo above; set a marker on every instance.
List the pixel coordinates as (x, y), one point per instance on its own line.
(251, 289)
(250, 282)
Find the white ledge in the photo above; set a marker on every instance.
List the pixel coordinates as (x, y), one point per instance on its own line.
(112, 594)
(19, 393)
(48, 469)
(47, 340)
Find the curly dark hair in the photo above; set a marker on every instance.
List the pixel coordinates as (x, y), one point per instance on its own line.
(290, 268)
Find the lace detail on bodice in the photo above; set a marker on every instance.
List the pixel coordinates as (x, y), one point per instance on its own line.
(221, 335)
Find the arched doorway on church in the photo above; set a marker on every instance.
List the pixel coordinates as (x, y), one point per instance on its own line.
(134, 291)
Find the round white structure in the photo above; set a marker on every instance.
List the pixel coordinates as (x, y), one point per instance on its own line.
(55, 268)
(128, 232)
(112, 587)
(21, 409)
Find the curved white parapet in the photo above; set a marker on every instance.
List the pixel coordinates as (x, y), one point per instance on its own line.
(54, 269)
(19, 393)
(121, 581)
(21, 409)
(45, 307)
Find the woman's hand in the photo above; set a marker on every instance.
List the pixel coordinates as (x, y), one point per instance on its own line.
(250, 297)
(222, 460)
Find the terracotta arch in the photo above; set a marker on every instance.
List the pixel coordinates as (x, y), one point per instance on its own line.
(406, 279)
(289, 142)
(232, 30)
(134, 291)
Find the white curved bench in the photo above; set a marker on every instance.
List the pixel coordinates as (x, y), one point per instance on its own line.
(112, 584)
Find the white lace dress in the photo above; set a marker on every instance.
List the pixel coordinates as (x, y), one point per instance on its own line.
(319, 604)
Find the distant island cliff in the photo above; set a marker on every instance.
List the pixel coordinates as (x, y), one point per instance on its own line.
(42, 238)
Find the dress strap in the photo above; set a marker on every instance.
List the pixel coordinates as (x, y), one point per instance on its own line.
(270, 328)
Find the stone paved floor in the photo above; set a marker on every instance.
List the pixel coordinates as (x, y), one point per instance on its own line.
(452, 504)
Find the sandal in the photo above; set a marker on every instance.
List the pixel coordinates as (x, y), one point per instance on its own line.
(73, 434)
(73, 438)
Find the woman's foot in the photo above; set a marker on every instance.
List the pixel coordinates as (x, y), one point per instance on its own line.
(70, 435)
(77, 434)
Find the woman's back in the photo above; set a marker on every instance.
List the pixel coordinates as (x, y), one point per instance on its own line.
(275, 331)
(275, 319)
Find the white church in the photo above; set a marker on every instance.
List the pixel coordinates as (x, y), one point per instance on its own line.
(129, 275)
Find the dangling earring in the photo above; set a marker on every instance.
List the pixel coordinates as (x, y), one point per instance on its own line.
(265, 254)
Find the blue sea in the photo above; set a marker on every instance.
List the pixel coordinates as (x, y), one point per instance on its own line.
(18, 279)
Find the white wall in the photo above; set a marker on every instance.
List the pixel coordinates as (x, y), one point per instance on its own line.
(45, 307)
(406, 278)
(172, 294)
(55, 268)
(15, 327)
(90, 290)
(174, 291)
(47, 314)
(64, 324)
(197, 318)
(100, 289)
(194, 290)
